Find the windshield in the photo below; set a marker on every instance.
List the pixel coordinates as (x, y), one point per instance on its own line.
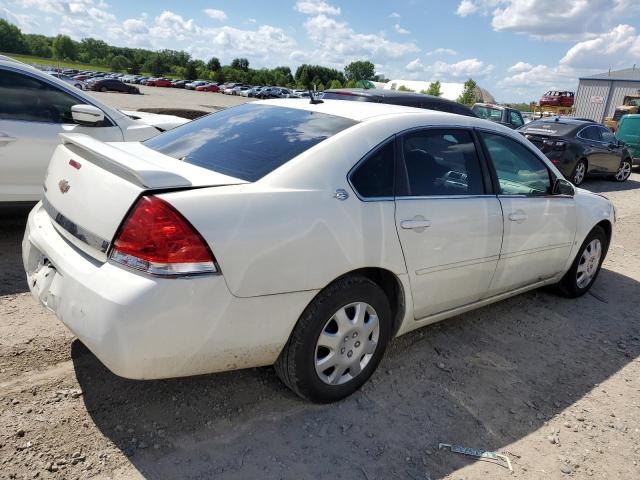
(488, 113)
(248, 141)
(634, 103)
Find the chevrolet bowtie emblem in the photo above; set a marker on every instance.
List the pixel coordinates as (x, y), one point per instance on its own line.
(64, 186)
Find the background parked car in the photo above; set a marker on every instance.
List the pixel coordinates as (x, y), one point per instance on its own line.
(35, 109)
(240, 88)
(629, 133)
(159, 82)
(194, 85)
(76, 83)
(108, 84)
(209, 87)
(509, 117)
(579, 148)
(557, 98)
(179, 83)
(252, 92)
(140, 80)
(393, 97)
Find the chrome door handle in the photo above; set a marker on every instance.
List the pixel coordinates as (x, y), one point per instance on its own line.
(415, 224)
(518, 216)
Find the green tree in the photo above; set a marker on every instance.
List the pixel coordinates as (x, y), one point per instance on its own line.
(434, 89)
(240, 64)
(11, 39)
(119, 62)
(213, 64)
(468, 95)
(190, 71)
(39, 45)
(402, 88)
(335, 84)
(155, 65)
(91, 48)
(351, 84)
(64, 48)
(360, 70)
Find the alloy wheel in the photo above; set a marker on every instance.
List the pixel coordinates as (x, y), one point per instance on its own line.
(589, 263)
(347, 343)
(578, 176)
(624, 171)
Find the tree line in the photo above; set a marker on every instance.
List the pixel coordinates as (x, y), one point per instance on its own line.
(178, 63)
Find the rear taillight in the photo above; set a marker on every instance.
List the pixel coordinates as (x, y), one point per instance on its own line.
(157, 239)
(555, 145)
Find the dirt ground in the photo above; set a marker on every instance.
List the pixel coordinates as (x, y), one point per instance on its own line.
(552, 383)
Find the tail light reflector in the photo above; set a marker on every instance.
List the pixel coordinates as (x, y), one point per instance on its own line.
(157, 239)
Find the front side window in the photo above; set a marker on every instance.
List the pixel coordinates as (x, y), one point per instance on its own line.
(27, 99)
(607, 136)
(373, 178)
(248, 141)
(519, 171)
(488, 113)
(441, 163)
(516, 119)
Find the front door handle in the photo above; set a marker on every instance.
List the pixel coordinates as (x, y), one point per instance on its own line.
(518, 216)
(417, 223)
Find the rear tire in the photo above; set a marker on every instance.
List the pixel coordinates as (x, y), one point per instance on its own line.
(579, 172)
(338, 341)
(586, 266)
(624, 171)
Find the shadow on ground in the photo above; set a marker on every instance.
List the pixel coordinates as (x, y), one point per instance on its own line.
(484, 379)
(601, 185)
(12, 223)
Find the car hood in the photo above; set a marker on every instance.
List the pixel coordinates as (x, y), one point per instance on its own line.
(157, 120)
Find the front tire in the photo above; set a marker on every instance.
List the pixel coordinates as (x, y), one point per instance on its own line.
(103, 89)
(338, 341)
(624, 171)
(579, 172)
(586, 266)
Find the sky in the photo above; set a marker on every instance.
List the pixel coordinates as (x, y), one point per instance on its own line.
(516, 49)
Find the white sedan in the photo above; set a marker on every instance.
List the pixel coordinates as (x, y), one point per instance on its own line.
(35, 108)
(301, 235)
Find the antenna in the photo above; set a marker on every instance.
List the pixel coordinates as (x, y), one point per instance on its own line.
(312, 99)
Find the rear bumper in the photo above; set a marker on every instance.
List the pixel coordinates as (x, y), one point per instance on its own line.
(145, 327)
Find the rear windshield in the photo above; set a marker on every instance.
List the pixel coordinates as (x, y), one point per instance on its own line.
(248, 141)
(553, 129)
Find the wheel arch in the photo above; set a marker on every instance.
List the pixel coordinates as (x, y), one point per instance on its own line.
(390, 285)
(608, 229)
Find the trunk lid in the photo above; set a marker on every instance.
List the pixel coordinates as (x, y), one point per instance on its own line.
(90, 186)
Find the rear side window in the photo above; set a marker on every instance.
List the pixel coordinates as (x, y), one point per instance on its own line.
(373, 178)
(248, 141)
(590, 133)
(515, 119)
(441, 163)
(488, 113)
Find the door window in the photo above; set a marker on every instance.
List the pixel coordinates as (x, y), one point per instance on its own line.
(519, 171)
(590, 133)
(441, 163)
(607, 136)
(28, 99)
(373, 178)
(515, 119)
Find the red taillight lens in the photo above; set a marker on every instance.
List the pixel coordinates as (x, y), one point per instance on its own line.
(156, 238)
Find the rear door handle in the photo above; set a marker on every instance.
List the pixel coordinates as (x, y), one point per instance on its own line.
(415, 224)
(518, 216)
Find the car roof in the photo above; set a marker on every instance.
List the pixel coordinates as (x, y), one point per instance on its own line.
(383, 93)
(363, 111)
(566, 120)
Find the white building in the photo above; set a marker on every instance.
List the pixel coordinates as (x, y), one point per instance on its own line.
(450, 91)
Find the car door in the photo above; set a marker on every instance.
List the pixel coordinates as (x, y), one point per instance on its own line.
(613, 154)
(449, 224)
(32, 115)
(596, 153)
(539, 228)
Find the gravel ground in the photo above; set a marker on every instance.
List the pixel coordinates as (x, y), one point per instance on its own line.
(553, 383)
(169, 98)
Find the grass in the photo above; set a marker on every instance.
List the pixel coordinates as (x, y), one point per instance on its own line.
(54, 63)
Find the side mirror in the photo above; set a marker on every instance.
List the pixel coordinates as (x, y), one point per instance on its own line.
(563, 187)
(87, 115)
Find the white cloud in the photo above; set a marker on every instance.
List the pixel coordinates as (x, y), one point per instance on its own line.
(539, 78)
(471, 67)
(415, 66)
(133, 26)
(442, 51)
(550, 19)
(520, 67)
(215, 14)
(618, 47)
(394, 15)
(400, 30)
(338, 44)
(316, 8)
